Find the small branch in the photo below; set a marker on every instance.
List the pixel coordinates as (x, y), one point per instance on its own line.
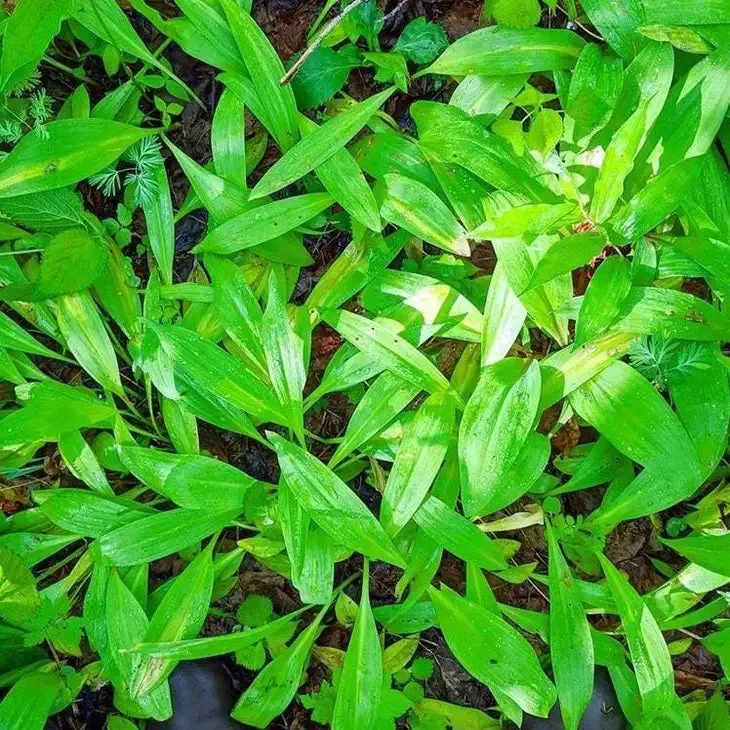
(326, 30)
(395, 10)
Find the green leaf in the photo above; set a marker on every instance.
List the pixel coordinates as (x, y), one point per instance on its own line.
(495, 51)
(421, 41)
(160, 220)
(545, 131)
(606, 292)
(85, 513)
(126, 624)
(649, 653)
(323, 74)
(594, 89)
(514, 13)
(386, 397)
(74, 150)
(449, 530)
(82, 462)
(318, 146)
(504, 316)
(571, 647)
(263, 223)
(493, 652)
(497, 421)
(214, 373)
(180, 615)
(414, 207)
(228, 139)
(266, 70)
(361, 681)
(275, 686)
(692, 12)
(617, 23)
(83, 330)
(189, 480)
(708, 551)
(285, 353)
(239, 310)
(211, 646)
(332, 504)
(392, 351)
(14, 337)
(30, 702)
(27, 33)
(418, 459)
(342, 179)
(71, 262)
(159, 535)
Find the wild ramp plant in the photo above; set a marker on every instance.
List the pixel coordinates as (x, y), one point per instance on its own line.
(581, 365)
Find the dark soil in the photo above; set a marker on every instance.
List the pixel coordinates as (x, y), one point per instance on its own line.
(286, 23)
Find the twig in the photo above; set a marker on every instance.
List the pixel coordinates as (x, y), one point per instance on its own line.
(395, 10)
(326, 30)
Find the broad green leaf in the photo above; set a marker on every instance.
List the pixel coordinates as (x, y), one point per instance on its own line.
(263, 223)
(332, 504)
(692, 12)
(571, 647)
(493, 652)
(84, 513)
(212, 646)
(459, 139)
(30, 702)
(567, 369)
(363, 259)
(497, 421)
(126, 624)
(83, 330)
(159, 535)
(661, 196)
(386, 397)
(495, 51)
(420, 455)
(528, 221)
(323, 74)
(181, 425)
(319, 146)
(71, 262)
(594, 89)
(361, 682)
(477, 95)
(180, 616)
(74, 150)
(514, 13)
(284, 356)
(627, 410)
(190, 481)
(160, 220)
(617, 23)
(26, 35)
(82, 462)
(266, 71)
(14, 337)
(566, 255)
(392, 351)
(649, 653)
(342, 179)
(389, 153)
(228, 139)
(317, 574)
(239, 310)
(412, 206)
(276, 684)
(504, 316)
(449, 530)
(669, 313)
(606, 292)
(202, 365)
(708, 551)
(52, 409)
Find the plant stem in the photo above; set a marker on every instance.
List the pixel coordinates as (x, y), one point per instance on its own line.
(328, 28)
